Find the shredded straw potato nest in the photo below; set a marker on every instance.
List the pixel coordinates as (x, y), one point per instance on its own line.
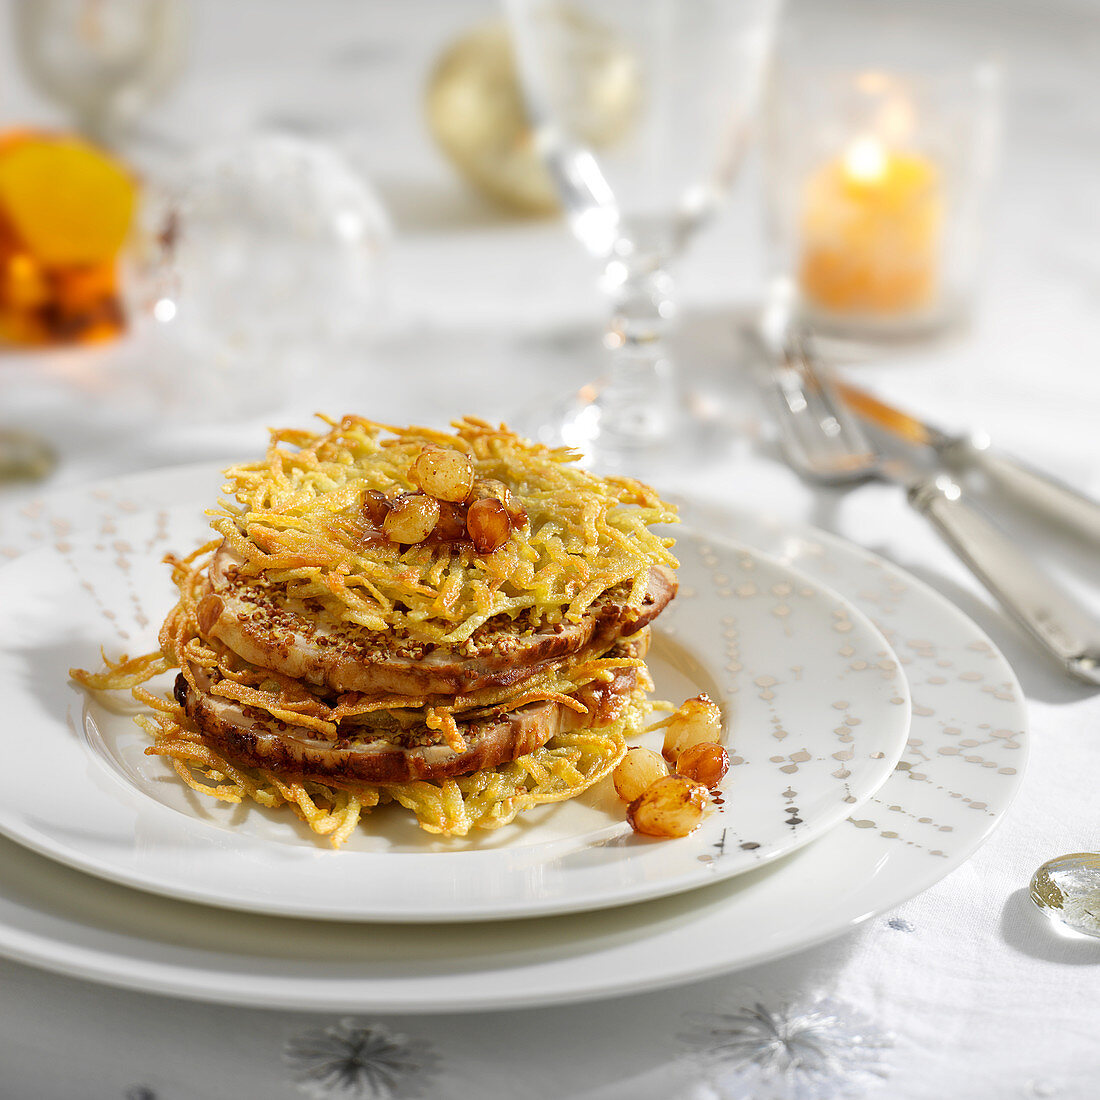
(297, 522)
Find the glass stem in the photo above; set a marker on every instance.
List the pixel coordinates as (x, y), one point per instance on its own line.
(639, 404)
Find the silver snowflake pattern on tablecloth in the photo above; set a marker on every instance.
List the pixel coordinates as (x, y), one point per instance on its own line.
(820, 1050)
(900, 924)
(353, 1061)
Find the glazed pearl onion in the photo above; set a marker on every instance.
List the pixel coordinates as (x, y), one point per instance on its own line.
(696, 720)
(671, 807)
(444, 474)
(705, 762)
(487, 524)
(412, 518)
(637, 770)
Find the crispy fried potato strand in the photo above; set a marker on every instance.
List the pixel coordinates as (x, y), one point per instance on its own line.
(295, 516)
(126, 672)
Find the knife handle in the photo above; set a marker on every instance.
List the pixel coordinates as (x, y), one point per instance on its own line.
(1044, 609)
(1039, 491)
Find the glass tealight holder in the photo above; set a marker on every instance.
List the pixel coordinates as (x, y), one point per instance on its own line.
(877, 183)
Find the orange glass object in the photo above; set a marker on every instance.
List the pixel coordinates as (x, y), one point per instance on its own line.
(65, 213)
(871, 232)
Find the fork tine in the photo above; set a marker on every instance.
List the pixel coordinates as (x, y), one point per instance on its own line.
(820, 438)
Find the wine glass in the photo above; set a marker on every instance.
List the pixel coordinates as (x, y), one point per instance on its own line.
(636, 193)
(103, 60)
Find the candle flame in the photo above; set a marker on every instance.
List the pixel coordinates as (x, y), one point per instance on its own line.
(865, 160)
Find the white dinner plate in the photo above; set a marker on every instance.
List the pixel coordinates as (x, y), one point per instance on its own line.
(815, 704)
(961, 769)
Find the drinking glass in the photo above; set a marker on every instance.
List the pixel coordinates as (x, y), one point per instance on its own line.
(634, 193)
(103, 60)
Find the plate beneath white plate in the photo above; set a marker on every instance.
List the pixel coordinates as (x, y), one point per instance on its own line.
(816, 707)
(961, 769)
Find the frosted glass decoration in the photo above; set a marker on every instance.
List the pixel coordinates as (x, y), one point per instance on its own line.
(269, 257)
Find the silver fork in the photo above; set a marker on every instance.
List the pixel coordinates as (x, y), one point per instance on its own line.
(823, 442)
(821, 439)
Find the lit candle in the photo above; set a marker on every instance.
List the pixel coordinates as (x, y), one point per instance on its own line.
(871, 222)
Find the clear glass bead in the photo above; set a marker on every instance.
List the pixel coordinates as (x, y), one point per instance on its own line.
(1067, 890)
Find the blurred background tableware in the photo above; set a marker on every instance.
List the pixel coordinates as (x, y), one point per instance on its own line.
(476, 114)
(264, 262)
(877, 182)
(24, 456)
(635, 192)
(102, 61)
(66, 210)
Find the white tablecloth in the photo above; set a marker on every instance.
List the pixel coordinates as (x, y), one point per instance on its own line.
(965, 991)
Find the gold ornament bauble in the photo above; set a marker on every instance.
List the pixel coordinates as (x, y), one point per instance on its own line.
(476, 111)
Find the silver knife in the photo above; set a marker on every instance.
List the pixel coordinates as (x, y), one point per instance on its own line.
(965, 453)
(1043, 608)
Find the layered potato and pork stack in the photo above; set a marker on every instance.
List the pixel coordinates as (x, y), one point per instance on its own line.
(453, 621)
